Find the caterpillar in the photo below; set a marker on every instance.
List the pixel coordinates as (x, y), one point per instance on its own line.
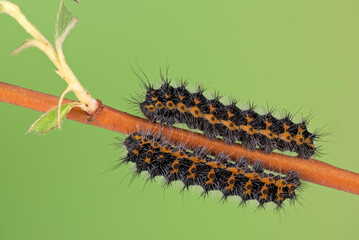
(170, 105)
(159, 158)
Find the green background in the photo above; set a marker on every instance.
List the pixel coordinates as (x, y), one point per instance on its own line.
(295, 55)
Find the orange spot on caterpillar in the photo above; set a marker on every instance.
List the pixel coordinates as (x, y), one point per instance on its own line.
(150, 108)
(264, 193)
(285, 136)
(230, 114)
(268, 133)
(175, 166)
(137, 149)
(268, 123)
(210, 177)
(195, 112)
(211, 118)
(170, 105)
(192, 171)
(230, 182)
(309, 142)
(155, 145)
(196, 101)
(179, 154)
(248, 188)
(298, 139)
(196, 159)
(159, 105)
(181, 107)
(181, 97)
(249, 129)
(286, 126)
(165, 149)
(211, 108)
(149, 156)
(215, 164)
(249, 118)
(252, 176)
(268, 180)
(230, 125)
(235, 170)
(145, 140)
(137, 137)
(280, 183)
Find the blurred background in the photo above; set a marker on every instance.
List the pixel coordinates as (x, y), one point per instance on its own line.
(295, 55)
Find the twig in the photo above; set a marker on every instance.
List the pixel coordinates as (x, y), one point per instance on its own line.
(56, 56)
(308, 169)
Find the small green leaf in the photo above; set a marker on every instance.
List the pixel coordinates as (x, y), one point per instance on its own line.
(64, 23)
(48, 121)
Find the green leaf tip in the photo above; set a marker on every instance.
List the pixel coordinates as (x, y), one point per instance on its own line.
(64, 23)
(48, 121)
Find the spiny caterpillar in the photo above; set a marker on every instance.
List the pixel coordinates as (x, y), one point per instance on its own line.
(169, 105)
(159, 158)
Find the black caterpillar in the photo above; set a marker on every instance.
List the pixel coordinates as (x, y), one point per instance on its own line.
(170, 105)
(158, 158)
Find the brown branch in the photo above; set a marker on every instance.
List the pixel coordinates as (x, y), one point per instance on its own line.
(308, 169)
